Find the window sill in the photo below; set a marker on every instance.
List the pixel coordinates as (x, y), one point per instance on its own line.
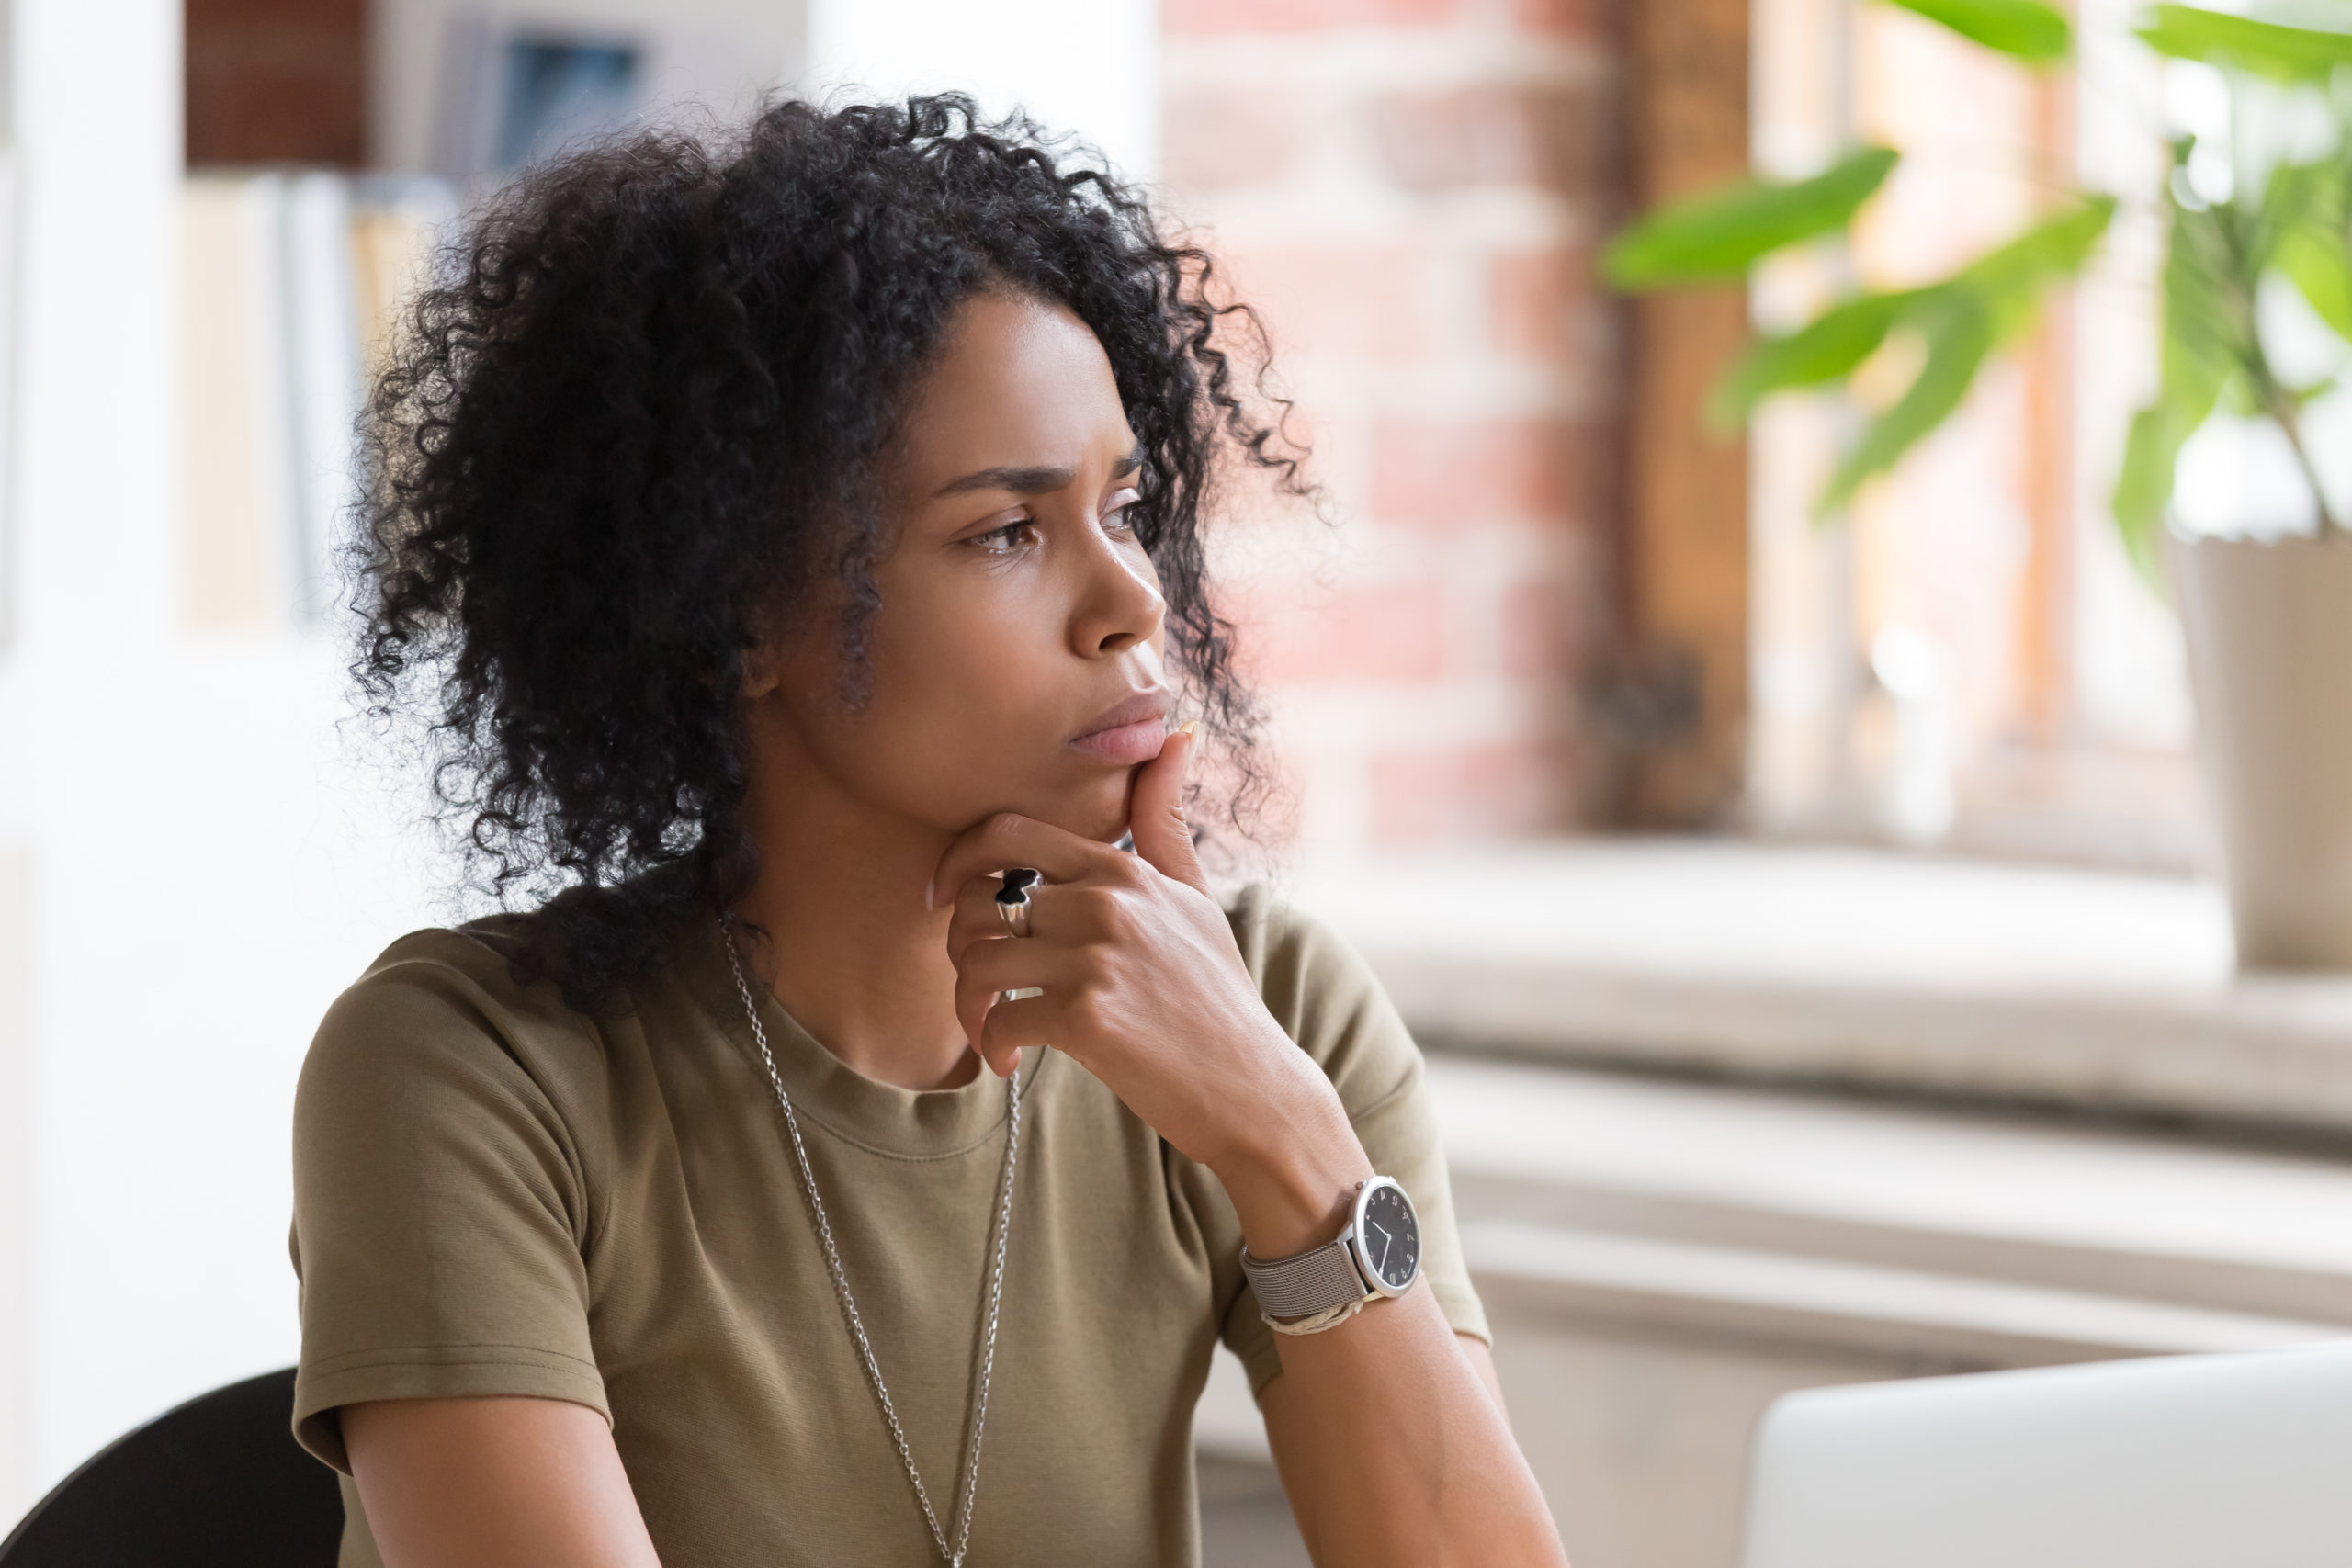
(2076, 989)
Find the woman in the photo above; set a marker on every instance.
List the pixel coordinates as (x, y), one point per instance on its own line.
(784, 541)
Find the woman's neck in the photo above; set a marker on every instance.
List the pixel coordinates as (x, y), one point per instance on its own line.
(852, 953)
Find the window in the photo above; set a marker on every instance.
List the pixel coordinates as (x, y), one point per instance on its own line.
(1970, 661)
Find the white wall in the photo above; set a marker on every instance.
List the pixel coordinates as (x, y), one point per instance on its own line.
(96, 97)
(409, 47)
(1088, 66)
(196, 862)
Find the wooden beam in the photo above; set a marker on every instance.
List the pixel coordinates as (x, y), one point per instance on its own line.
(1685, 583)
(2045, 613)
(277, 81)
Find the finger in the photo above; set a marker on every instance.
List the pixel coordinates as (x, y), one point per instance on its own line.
(1009, 838)
(975, 916)
(1070, 916)
(1156, 810)
(990, 968)
(979, 915)
(1013, 1027)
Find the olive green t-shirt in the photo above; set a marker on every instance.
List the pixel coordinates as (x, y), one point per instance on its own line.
(495, 1194)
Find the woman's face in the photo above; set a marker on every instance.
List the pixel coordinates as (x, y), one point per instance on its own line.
(1015, 657)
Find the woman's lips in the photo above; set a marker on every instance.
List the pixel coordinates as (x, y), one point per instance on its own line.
(1127, 743)
(1130, 732)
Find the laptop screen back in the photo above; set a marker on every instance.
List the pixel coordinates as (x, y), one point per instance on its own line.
(2183, 1462)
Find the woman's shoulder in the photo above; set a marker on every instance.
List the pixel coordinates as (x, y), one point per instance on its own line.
(1323, 994)
(479, 962)
(452, 999)
(483, 948)
(1261, 915)
(1288, 947)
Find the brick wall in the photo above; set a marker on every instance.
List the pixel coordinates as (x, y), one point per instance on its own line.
(276, 81)
(1411, 191)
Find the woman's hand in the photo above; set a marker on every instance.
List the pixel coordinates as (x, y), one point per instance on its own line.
(1389, 1443)
(1142, 985)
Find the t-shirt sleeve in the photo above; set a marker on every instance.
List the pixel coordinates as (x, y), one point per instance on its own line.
(442, 1215)
(1327, 999)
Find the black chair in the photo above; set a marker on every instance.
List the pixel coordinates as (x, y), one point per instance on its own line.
(217, 1482)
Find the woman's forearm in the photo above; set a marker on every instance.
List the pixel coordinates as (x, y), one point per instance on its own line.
(1393, 1452)
(493, 1484)
(1391, 1444)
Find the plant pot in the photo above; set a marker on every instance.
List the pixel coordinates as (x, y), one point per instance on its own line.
(2269, 626)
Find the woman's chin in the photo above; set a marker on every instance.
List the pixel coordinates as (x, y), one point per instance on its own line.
(1098, 813)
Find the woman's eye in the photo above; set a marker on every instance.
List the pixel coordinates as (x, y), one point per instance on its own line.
(1005, 540)
(1114, 512)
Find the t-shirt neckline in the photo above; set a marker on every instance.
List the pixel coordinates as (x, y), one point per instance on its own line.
(884, 1119)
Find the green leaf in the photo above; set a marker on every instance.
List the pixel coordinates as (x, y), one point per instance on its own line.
(2207, 316)
(1828, 347)
(2144, 485)
(2318, 262)
(2310, 391)
(2305, 230)
(2263, 49)
(2317, 193)
(1719, 235)
(1960, 336)
(2199, 362)
(2238, 400)
(1964, 319)
(2054, 248)
(2028, 29)
(2012, 278)
(2152, 454)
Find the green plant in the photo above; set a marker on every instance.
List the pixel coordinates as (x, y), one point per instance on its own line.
(2296, 223)
(2219, 252)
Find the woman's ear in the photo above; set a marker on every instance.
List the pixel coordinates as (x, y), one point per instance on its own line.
(763, 669)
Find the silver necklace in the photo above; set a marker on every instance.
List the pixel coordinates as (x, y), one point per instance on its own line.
(955, 1555)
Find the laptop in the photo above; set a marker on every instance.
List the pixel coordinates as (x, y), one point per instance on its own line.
(2174, 1462)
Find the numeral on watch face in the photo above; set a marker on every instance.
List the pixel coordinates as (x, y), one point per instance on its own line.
(1392, 1239)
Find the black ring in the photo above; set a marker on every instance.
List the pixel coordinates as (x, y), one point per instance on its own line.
(1012, 900)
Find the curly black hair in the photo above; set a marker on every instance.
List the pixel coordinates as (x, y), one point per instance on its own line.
(636, 420)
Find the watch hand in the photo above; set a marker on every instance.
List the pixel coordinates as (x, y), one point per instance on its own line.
(1383, 1261)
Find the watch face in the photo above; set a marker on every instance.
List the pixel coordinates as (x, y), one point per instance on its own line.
(1389, 1236)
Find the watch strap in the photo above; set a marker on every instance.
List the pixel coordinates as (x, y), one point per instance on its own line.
(1331, 1317)
(1307, 1283)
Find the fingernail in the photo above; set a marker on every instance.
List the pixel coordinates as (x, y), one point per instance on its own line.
(1190, 726)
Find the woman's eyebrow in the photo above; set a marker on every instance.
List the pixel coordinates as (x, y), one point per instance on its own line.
(1032, 481)
(1019, 480)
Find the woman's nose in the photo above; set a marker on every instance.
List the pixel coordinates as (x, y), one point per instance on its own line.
(1121, 604)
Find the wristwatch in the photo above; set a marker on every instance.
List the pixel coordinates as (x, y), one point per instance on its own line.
(1379, 1254)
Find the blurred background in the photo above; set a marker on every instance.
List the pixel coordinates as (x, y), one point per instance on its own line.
(1838, 959)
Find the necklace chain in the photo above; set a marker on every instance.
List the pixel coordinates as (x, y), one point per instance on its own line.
(1003, 1223)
